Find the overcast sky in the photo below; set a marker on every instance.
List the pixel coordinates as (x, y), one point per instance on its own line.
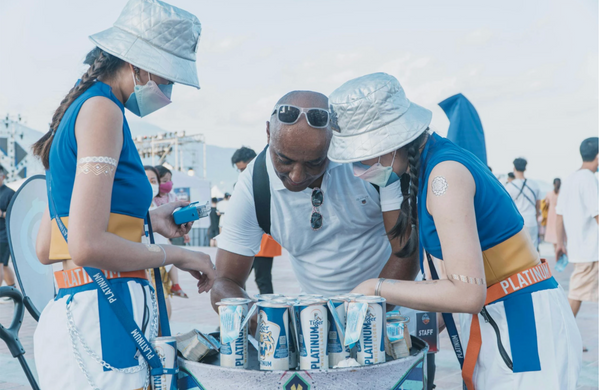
(529, 67)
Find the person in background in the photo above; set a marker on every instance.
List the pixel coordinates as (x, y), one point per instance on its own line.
(6, 195)
(153, 178)
(527, 197)
(577, 226)
(269, 248)
(166, 195)
(551, 199)
(213, 229)
(222, 209)
(510, 177)
(242, 157)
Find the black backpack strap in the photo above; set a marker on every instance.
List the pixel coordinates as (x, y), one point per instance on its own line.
(261, 189)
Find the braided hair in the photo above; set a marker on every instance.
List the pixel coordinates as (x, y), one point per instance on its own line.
(101, 64)
(407, 223)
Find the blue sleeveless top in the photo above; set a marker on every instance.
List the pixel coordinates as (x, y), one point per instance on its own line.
(496, 214)
(131, 192)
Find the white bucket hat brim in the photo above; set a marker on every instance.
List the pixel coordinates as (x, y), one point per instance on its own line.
(156, 37)
(142, 54)
(374, 118)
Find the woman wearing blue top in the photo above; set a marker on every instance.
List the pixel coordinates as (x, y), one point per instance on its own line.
(100, 191)
(517, 330)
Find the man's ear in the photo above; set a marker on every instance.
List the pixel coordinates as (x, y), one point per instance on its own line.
(268, 133)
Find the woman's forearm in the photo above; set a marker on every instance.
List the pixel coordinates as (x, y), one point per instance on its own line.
(433, 295)
(113, 253)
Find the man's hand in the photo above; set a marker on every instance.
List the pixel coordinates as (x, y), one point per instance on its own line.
(163, 223)
(367, 287)
(560, 250)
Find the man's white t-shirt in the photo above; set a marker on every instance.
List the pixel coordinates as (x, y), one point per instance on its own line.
(578, 204)
(351, 247)
(525, 196)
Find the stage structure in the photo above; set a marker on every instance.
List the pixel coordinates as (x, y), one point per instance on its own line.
(181, 147)
(15, 154)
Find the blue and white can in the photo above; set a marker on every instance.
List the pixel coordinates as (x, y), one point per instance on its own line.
(166, 349)
(273, 328)
(335, 344)
(312, 334)
(293, 351)
(232, 312)
(268, 297)
(371, 344)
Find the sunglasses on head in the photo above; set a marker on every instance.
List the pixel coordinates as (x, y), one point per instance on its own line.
(289, 114)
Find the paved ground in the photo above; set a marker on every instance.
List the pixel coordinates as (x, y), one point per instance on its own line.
(197, 313)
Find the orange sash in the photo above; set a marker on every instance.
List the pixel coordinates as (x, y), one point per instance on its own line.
(497, 291)
(76, 277)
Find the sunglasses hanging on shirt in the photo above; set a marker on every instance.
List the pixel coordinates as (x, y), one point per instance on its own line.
(316, 219)
(289, 114)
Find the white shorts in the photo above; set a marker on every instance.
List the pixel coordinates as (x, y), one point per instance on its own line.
(558, 346)
(57, 364)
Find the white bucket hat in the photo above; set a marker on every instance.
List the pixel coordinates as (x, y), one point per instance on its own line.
(371, 116)
(157, 38)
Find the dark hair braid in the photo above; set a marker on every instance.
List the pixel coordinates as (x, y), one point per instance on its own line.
(408, 223)
(101, 64)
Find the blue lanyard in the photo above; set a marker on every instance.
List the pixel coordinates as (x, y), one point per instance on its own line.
(117, 305)
(165, 328)
(449, 321)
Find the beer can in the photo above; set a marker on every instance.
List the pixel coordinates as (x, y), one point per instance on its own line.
(292, 329)
(273, 329)
(398, 339)
(371, 345)
(312, 334)
(166, 349)
(335, 344)
(268, 297)
(353, 295)
(303, 296)
(232, 312)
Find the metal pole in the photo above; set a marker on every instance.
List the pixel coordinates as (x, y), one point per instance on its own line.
(204, 157)
(28, 372)
(152, 145)
(177, 167)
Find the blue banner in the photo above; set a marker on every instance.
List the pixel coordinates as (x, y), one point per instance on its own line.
(465, 128)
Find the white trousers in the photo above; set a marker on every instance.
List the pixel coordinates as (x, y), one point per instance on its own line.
(58, 367)
(558, 340)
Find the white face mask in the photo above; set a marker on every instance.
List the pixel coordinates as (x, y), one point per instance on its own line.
(148, 98)
(154, 189)
(377, 174)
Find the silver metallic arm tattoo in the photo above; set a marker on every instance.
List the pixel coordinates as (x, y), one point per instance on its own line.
(467, 279)
(98, 165)
(439, 185)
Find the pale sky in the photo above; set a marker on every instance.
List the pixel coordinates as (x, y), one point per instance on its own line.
(530, 68)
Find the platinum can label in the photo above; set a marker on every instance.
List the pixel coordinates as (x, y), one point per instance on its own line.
(313, 335)
(234, 353)
(273, 323)
(166, 349)
(335, 345)
(371, 345)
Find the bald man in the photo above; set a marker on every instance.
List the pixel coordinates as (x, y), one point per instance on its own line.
(332, 223)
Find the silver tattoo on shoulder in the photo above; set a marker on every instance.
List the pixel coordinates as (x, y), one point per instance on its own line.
(439, 185)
